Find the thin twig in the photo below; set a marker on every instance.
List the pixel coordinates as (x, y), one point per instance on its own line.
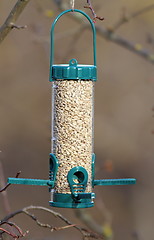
(5, 198)
(9, 233)
(109, 35)
(93, 11)
(15, 236)
(4, 193)
(126, 18)
(21, 234)
(136, 48)
(17, 27)
(84, 232)
(8, 184)
(143, 10)
(9, 23)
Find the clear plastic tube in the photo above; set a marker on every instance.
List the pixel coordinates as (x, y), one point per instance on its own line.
(72, 129)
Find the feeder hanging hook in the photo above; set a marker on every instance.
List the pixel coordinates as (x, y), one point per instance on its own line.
(72, 2)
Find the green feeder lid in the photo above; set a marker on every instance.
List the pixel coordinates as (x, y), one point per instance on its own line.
(73, 70)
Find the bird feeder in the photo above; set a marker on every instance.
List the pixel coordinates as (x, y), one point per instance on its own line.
(72, 161)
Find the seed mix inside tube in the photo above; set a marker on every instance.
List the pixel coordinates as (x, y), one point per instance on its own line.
(72, 129)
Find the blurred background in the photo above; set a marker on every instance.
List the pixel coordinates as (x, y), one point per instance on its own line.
(124, 123)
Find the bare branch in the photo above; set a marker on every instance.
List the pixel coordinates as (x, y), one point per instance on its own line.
(64, 227)
(143, 10)
(17, 27)
(133, 47)
(109, 35)
(5, 199)
(93, 11)
(126, 18)
(11, 233)
(9, 23)
(7, 185)
(85, 233)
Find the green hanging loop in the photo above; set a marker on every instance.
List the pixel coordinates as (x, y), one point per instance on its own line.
(52, 34)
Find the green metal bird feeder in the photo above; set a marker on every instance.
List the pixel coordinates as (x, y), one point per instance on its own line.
(72, 161)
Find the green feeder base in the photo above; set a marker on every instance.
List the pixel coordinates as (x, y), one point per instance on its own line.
(62, 200)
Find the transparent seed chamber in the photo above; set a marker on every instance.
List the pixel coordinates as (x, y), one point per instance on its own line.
(72, 129)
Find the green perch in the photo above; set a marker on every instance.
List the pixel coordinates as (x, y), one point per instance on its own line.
(101, 182)
(27, 181)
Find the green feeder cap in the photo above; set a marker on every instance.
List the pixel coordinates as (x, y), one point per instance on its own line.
(73, 70)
